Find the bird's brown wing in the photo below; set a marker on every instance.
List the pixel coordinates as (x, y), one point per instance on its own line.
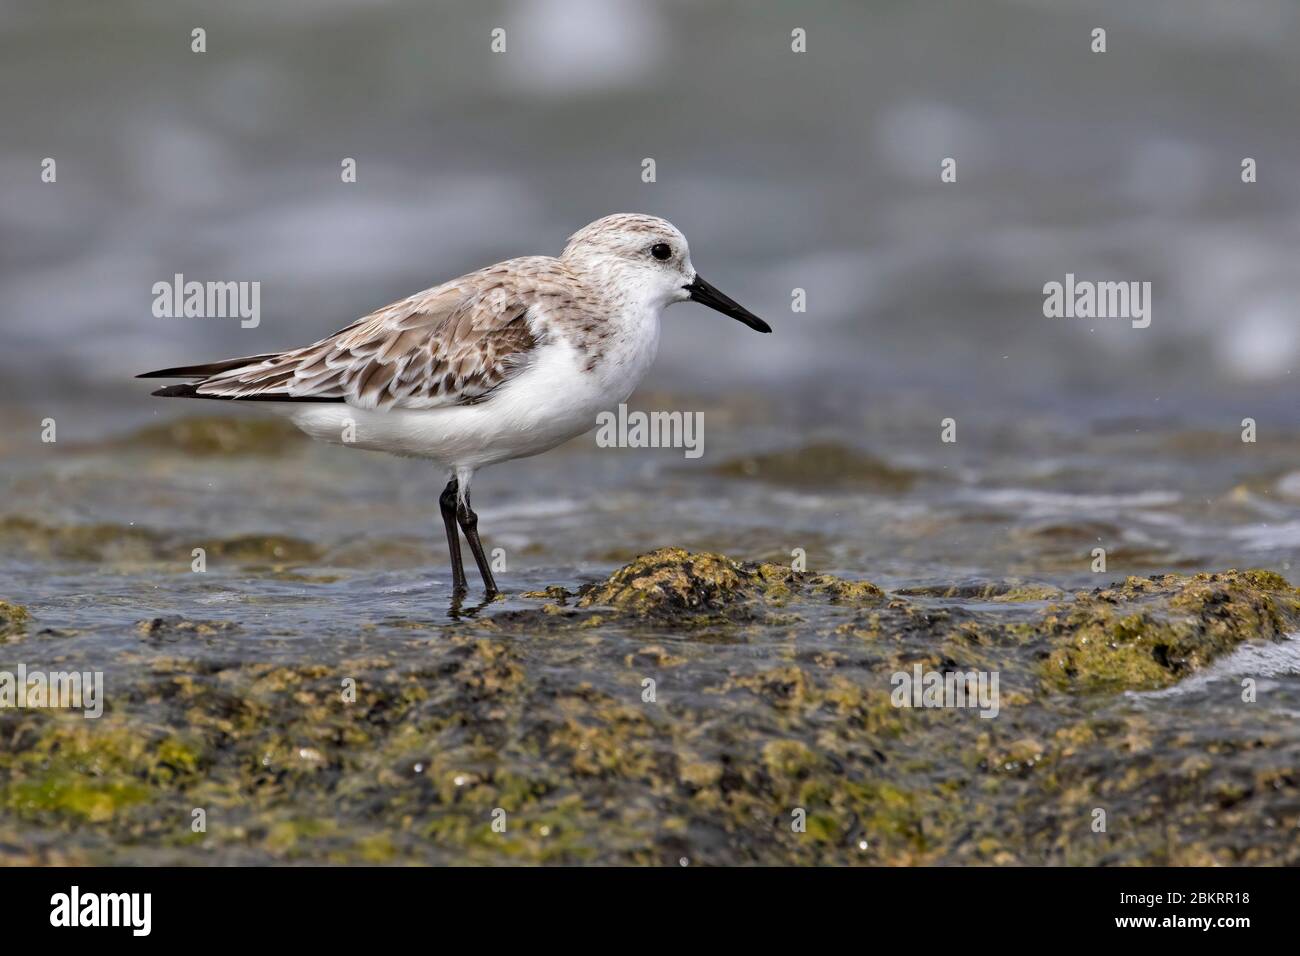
(450, 345)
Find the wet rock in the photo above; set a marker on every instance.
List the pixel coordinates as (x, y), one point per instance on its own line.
(1148, 633)
(554, 593)
(838, 590)
(1072, 534)
(127, 544)
(404, 752)
(209, 435)
(654, 656)
(175, 628)
(101, 542)
(820, 465)
(674, 582)
(90, 771)
(379, 551)
(269, 549)
(671, 579)
(999, 592)
(14, 619)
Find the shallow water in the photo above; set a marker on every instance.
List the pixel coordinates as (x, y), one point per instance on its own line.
(323, 563)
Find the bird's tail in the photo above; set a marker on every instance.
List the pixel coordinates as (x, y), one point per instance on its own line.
(200, 372)
(207, 371)
(266, 380)
(188, 390)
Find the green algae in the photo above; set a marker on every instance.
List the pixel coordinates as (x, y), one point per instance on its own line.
(74, 770)
(14, 619)
(677, 583)
(1148, 633)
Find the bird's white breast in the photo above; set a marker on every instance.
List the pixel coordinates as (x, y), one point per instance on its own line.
(569, 379)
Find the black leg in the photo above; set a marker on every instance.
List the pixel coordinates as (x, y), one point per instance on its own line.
(469, 524)
(447, 502)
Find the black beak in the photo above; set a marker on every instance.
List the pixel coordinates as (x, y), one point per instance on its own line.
(705, 294)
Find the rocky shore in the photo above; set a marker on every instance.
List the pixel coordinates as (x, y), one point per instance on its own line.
(604, 723)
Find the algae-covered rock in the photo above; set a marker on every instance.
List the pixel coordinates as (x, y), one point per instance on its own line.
(406, 749)
(1001, 592)
(673, 581)
(13, 619)
(108, 543)
(1148, 633)
(273, 549)
(820, 465)
(552, 592)
(207, 435)
(838, 590)
(99, 542)
(176, 628)
(74, 770)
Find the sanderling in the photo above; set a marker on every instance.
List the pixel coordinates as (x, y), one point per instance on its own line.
(502, 363)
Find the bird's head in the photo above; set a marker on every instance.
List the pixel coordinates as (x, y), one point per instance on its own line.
(648, 258)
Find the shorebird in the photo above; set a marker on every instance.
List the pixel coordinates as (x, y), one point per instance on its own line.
(502, 363)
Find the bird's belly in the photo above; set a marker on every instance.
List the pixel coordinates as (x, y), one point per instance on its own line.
(546, 404)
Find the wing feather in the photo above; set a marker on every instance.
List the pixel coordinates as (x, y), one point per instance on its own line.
(449, 345)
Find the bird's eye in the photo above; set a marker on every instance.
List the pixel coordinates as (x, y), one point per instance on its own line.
(661, 251)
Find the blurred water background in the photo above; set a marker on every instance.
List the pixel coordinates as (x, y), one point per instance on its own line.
(817, 171)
